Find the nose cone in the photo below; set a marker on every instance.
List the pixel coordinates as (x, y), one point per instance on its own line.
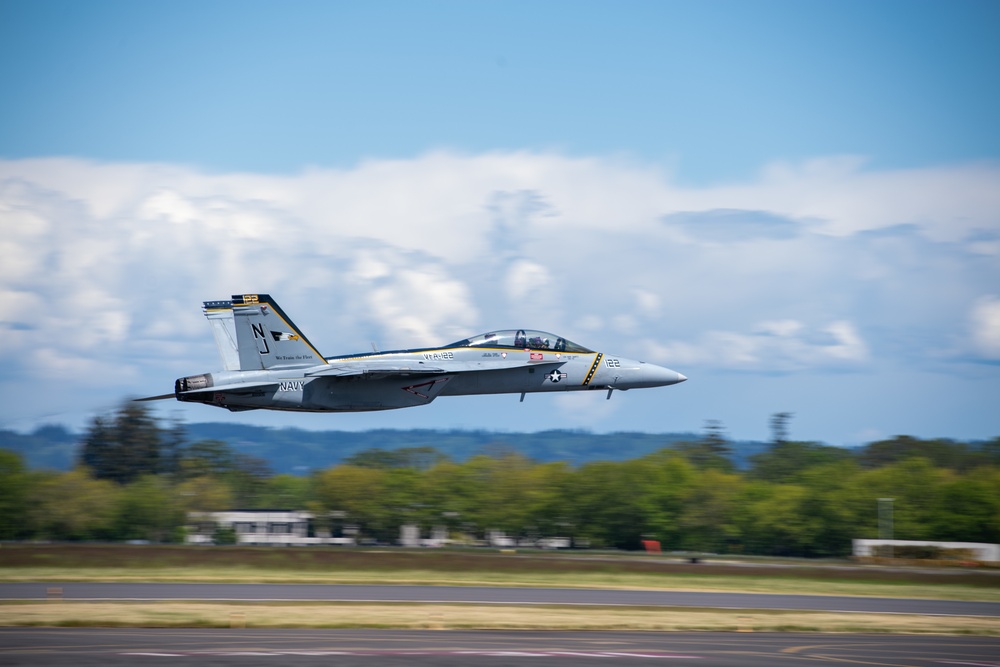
(659, 376)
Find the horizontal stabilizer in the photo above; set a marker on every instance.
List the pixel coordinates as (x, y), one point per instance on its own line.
(153, 398)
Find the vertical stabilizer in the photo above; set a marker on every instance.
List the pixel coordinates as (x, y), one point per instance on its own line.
(266, 338)
(220, 316)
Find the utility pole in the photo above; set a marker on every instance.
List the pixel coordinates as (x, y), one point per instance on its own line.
(885, 521)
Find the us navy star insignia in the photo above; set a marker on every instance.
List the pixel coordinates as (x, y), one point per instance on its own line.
(555, 376)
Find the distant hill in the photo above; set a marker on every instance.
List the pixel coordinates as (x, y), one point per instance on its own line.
(297, 451)
(50, 446)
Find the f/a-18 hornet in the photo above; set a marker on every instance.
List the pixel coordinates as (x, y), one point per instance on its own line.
(269, 364)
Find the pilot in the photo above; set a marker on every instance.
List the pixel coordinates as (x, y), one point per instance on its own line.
(520, 339)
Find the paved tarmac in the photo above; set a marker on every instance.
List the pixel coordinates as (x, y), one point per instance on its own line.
(489, 595)
(81, 647)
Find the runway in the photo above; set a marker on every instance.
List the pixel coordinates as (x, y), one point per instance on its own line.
(49, 647)
(491, 595)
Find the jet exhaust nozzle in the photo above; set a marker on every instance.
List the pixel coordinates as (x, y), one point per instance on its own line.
(193, 383)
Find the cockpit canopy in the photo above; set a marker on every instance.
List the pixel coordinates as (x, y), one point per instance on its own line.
(522, 339)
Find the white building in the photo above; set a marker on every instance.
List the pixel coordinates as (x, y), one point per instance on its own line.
(980, 551)
(409, 536)
(264, 527)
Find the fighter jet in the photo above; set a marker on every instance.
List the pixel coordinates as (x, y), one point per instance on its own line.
(269, 364)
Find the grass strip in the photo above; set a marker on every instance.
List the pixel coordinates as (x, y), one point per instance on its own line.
(756, 583)
(458, 616)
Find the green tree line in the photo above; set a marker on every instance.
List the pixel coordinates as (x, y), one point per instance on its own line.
(137, 480)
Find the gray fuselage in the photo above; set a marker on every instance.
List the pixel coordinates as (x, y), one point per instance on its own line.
(505, 362)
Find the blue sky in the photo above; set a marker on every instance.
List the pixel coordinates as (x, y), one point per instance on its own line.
(714, 89)
(796, 204)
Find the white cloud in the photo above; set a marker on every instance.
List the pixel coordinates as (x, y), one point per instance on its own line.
(647, 303)
(985, 320)
(422, 305)
(812, 266)
(848, 345)
(527, 279)
(780, 327)
(838, 193)
(785, 346)
(368, 267)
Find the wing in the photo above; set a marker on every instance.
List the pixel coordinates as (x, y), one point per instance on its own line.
(375, 368)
